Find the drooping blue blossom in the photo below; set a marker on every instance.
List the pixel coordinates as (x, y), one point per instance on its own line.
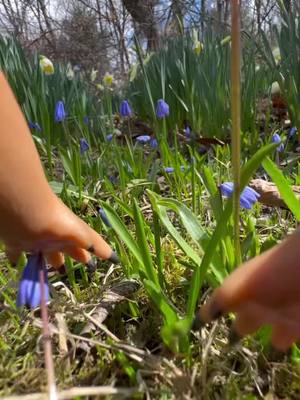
(202, 150)
(292, 133)
(30, 290)
(84, 146)
(187, 131)
(247, 198)
(113, 179)
(143, 138)
(276, 139)
(60, 112)
(104, 217)
(125, 109)
(86, 120)
(31, 125)
(170, 170)
(153, 143)
(162, 109)
(34, 125)
(109, 137)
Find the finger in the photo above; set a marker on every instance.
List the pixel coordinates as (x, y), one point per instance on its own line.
(287, 327)
(262, 280)
(250, 317)
(90, 240)
(284, 335)
(56, 259)
(78, 254)
(13, 254)
(78, 234)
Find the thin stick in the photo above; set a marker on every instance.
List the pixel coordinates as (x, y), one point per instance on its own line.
(81, 391)
(236, 119)
(52, 395)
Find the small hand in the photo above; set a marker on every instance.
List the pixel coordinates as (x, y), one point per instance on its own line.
(32, 218)
(265, 290)
(53, 229)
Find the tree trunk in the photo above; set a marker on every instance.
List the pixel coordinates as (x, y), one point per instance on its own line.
(142, 12)
(258, 14)
(203, 12)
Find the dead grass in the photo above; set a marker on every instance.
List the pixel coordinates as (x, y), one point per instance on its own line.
(90, 362)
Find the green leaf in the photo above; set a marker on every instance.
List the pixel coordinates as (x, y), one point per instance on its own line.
(200, 273)
(215, 198)
(143, 245)
(122, 231)
(283, 186)
(161, 302)
(162, 213)
(255, 161)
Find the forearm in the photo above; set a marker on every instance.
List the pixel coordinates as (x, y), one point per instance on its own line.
(22, 180)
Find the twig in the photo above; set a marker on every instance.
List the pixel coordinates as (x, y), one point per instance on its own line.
(79, 391)
(205, 356)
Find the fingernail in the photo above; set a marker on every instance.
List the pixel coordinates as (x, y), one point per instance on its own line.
(92, 265)
(216, 313)
(114, 258)
(91, 249)
(197, 323)
(233, 338)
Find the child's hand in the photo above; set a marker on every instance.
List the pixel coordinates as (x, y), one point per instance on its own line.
(32, 218)
(266, 290)
(54, 230)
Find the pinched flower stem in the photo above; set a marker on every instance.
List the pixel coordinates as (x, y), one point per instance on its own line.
(236, 119)
(47, 338)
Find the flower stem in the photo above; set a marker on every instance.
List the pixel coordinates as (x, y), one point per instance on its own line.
(236, 119)
(47, 338)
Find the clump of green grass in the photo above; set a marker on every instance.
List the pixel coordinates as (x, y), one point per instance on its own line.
(171, 228)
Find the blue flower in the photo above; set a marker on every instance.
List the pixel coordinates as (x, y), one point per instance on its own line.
(104, 217)
(143, 139)
(247, 198)
(202, 150)
(86, 120)
(84, 146)
(125, 109)
(34, 125)
(276, 139)
(60, 113)
(169, 170)
(30, 294)
(113, 179)
(109, 137)
(153, 143)
(162, 109)
(187, 131)
(292, 133)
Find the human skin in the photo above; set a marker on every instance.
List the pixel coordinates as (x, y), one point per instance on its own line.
(265, 290)
(32, 217)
